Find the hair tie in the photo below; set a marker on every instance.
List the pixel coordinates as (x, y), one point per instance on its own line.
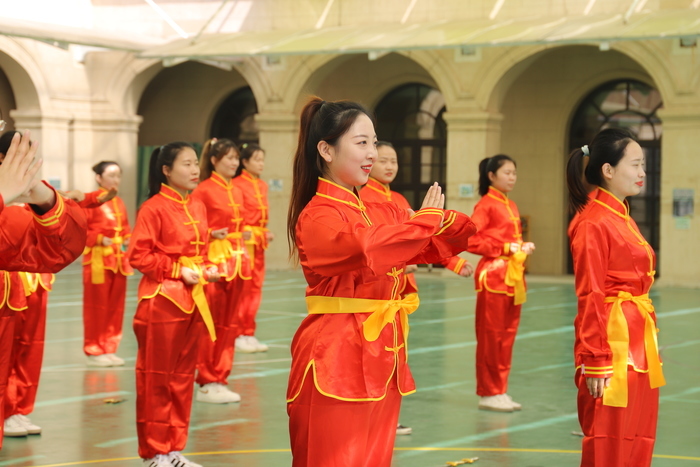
(244, 145)
(214, 140)
(585, 150)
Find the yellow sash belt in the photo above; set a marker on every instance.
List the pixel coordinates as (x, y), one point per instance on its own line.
(258, 237)
(198, 293)
(221, 249)
(97, 260)
(618, 338)
(515, 276)
(383, 311)
(30, 281)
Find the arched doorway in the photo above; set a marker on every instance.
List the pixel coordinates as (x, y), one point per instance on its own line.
(632, 105)
(235, 118)
(410, 117)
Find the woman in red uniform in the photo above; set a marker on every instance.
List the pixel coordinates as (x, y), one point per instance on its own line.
(500, 283)
(105, 269)
(349, 366)
(169, 246)
(618, 369)
(224, 202)
(45, 235)
(256, 216)
(27, 355)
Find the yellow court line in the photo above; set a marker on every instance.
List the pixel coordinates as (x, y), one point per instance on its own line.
(268, 451)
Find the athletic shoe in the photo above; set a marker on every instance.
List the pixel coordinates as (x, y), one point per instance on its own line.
(99, 360)
(215, 393)
(160, 460)
(178, 460)
(31, 428)
(515, 405)
(245, 345)
(14, 428)
(259, 346)
(116, 361)
(403, 430)
(495, 404)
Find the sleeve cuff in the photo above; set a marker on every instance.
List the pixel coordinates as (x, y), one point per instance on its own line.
(447, 223)
(53, 216)
(460, 264)
(176, 271)
(597, 371)
(506, 248)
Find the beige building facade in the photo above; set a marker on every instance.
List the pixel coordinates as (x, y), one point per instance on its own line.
(523, 100)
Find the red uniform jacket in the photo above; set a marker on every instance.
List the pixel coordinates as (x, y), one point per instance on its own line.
(351, 250)
(224, 203)
(108, 220)
(255, 206)
(610, 255)
(498, 222)
(168, 228)
(45, 243)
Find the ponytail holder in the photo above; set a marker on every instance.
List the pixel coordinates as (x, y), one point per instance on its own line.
(244, 145)
(214, 140)
(585, 150)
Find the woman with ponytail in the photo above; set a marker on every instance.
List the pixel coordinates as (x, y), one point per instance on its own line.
(618, 369)
(256, 216)
(224, 202)
(169, 246)
(349, 366)
(500, 283)
(105, 269)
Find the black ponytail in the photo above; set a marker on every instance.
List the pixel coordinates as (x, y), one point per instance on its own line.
(607, 147)
(161, 157)
(490, 165)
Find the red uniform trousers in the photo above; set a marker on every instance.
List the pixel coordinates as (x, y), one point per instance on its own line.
(165, 365)
(619, 436)
(250, 301)
(103, 312)
(7, 335)
(497, 322)
(27, 355)
(216, 358)
(327, 432)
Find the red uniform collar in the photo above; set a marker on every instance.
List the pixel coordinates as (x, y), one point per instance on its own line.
(611, 202)
(335, 192)
(173, 194)
(219, 180)
(378, 186)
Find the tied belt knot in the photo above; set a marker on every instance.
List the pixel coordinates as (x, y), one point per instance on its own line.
(258, 237)
(99, 252)
(222, 249)
(382, 312)
(515, 272)
(195, 263)
(618, 338)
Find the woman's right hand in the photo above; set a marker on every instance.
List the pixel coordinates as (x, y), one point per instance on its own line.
(189, 276)
(220, 233)
(596, 386)
(434, 198)
(106, 241)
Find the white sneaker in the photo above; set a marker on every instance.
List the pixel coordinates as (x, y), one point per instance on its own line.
(215, 393)
(31, 428)
(244, 344)
(178, 460)
(99, 360)
(515, 405)
(259, 346)
(160, 460)
(14, 428)
(495, 403)
(116, 361)
(403, 430)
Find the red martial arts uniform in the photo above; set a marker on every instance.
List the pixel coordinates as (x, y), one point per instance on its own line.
(349, 367)
(171, 233)
(224, 203)
(28, 349)
(105, 269)
(255, 218)
(500, 287)
(29, 242)
(377, 192)
(615, 334)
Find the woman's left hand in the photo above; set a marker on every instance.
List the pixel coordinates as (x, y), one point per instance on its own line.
(220, 233)
(270, 236)
(213, 274)
(528, 248)
(467, 270)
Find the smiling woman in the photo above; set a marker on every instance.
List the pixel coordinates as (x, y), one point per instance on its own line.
(349, 367)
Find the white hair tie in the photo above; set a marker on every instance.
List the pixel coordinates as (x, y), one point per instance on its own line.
(585, 150)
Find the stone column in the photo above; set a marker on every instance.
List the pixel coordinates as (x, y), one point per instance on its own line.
(679, 170)
(278, 137)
